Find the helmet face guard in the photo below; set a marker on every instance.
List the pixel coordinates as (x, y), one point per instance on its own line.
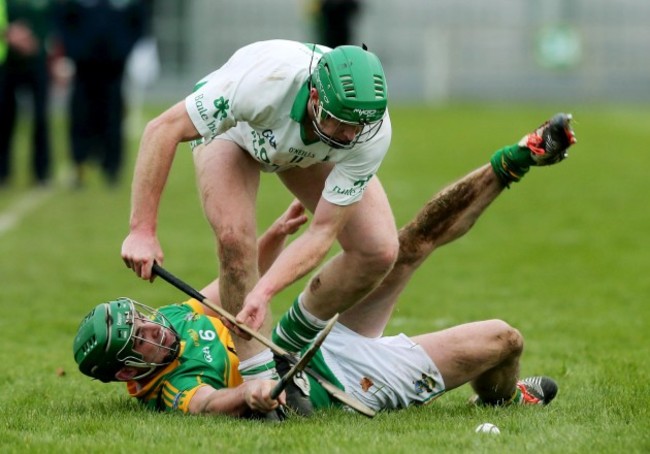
(365, 131)
(105, 340)
(351, 88)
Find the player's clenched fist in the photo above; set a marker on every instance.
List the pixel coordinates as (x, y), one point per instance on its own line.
(139, 251)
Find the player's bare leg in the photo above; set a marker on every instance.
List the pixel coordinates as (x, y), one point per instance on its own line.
(369, 247)
(228, 180)
(446, 217)
(485, 354)
(453, 211)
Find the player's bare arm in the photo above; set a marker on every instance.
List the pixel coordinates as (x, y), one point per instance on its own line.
(157, 149)
(296, 260)
(270, 245)
(254, 395)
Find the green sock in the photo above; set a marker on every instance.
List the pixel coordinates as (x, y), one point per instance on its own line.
(297, 328)
(511, 163)
(260, 366)
(517, 397)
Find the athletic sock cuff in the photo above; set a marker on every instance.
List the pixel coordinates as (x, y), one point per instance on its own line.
(297, 328)
(511, 163)
(309, 317)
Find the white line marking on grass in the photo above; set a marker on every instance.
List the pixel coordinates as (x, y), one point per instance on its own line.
(15, 213)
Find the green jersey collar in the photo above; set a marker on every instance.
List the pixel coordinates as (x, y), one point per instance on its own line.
(299, 110)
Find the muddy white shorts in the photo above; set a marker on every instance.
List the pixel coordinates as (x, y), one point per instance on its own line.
(385, 372)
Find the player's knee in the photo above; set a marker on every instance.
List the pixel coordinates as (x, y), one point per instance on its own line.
(235, 248)
(509, 339)
(386, 253)
(389, 254)
(382, 259)
(235, 236)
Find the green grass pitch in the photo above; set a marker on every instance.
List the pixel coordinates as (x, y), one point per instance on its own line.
(563, 256)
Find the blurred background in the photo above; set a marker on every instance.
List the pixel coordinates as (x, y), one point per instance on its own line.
(563, 256)
(80, 78)
(436, 51)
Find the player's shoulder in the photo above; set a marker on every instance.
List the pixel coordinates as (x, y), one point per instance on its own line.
(282, 47)
(190, 309)
(279, 58)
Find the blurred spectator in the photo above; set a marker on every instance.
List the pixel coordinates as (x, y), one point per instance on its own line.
(98, 36)
(142, 71)
(336, 20)
(26, 69)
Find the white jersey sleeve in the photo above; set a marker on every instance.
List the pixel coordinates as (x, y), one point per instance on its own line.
(253, 86)
(354, 168)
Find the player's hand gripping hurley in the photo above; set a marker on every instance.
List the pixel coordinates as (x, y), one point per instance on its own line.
(334, 391)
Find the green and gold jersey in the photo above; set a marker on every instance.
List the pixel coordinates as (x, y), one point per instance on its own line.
(207, 357)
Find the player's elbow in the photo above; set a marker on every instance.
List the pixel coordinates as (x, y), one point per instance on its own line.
(173, 125)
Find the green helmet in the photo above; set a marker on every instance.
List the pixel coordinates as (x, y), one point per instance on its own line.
(104, 343)
(352, 89)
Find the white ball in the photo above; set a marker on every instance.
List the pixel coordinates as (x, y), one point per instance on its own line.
(487, 428)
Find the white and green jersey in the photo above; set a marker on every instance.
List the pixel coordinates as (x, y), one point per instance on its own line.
(258, 99)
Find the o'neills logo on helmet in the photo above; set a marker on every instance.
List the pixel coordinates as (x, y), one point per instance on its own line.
(366, 113)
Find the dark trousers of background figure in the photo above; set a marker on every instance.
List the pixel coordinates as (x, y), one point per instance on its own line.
(33, 79)
(96, 116)
(337, 17)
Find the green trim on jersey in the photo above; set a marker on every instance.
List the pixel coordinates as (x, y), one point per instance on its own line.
(318, 396)
(299, 110)
(199, 85)
(314, 48)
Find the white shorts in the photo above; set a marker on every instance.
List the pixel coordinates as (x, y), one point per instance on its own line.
(384, 373)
